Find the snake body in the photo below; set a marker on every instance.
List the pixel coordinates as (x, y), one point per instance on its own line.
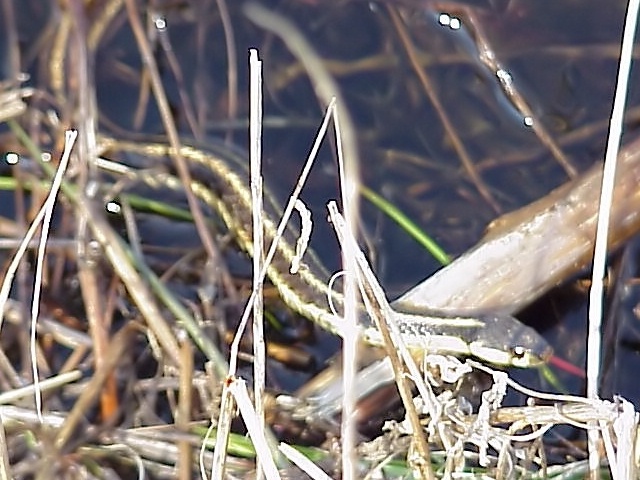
(497, 339)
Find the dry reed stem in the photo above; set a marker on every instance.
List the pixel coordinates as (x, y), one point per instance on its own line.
(328, 93)
(257, 206)
(185, 404)
(596, 298)
(380, 313)
(226, 401)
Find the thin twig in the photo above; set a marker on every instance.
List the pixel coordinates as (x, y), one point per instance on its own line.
(380, 311)
(600, 253)
(329, 93)
(458, 145)
(488, 57)
(174, 140)
(114, 356)
(5, 463)
(185, 404)
(70, 138)
(232, 67)
(255, 153)
(161, 31)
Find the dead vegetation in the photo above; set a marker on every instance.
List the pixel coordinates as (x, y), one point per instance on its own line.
(125, 319)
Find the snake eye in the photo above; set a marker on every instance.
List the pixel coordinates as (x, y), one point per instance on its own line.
(520, 356)
(519, 351)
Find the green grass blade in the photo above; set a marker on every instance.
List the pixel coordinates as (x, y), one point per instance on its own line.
(407, 224)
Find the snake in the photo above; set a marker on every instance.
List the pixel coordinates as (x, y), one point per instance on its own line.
(222, 184)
